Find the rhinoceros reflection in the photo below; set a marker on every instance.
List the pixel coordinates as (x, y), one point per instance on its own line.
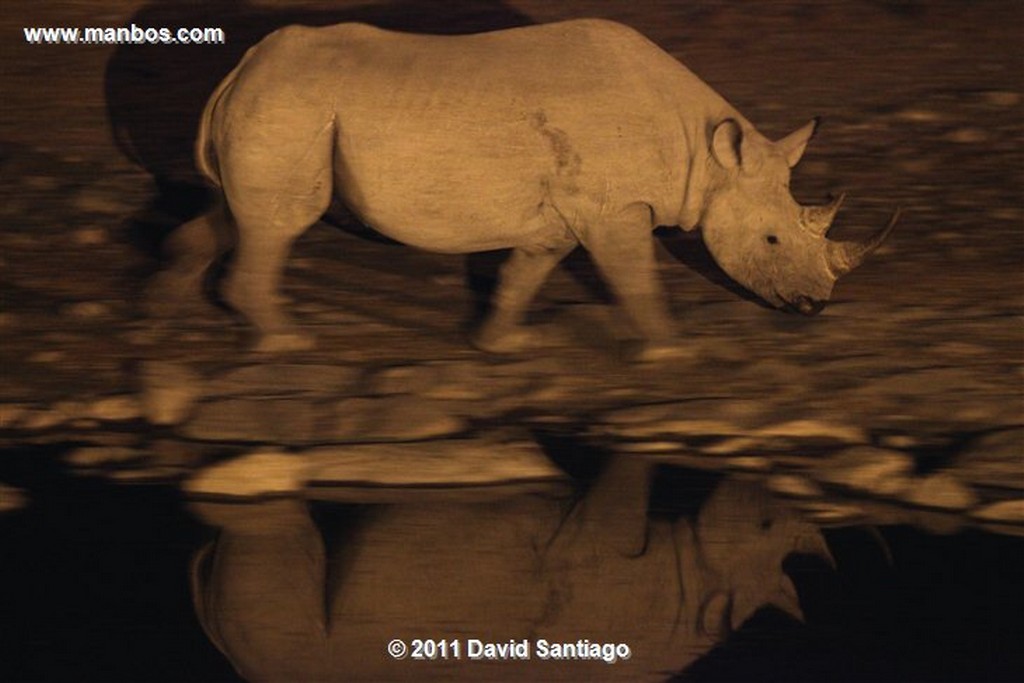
(283, 605)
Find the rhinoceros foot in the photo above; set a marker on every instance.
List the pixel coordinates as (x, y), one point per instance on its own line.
(661, 351)
(509, 340)
(283, 342)
(171, 294)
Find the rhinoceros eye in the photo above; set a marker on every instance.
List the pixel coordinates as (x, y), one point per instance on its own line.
(772, 239)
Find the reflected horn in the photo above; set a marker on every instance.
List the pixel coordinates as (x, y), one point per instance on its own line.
(818, 219)
(845, 256)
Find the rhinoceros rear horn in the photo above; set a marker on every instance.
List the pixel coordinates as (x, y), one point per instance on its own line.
(818, 219)
(845, 256)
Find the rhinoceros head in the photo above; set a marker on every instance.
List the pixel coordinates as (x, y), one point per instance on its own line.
(759, 234)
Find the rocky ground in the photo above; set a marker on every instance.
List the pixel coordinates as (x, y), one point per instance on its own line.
(904, 396)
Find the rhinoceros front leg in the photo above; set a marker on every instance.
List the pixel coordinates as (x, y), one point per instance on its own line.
(519, 279)
(623, 250)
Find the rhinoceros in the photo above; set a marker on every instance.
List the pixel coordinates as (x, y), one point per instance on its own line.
(284, 606)
(538, 139)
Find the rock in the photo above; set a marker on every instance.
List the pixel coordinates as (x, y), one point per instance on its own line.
(1006, 511)
(967, 135)
(39, 418)
(276, 420)
(100, 456)
(269, 379)
(96, 200)
(899, 441)
(877, 471)
(87, 310)
(89, 237)
(12, 414)
(995, 459)
(941, 491)
(814, 429)
(169, 391)
(679, 428)
(794, 486)
(47, 357)
(832, 514)
(404, 379)
(258, 474)
(641, 414)
(732, 445)
(749, 463)
(116, 408)
(474, 381)
(919, 115)
(394, 418)
(145, 474)
(464, 380)
(650, 447)
(12, 498)
(431, 463)
(1002, 98)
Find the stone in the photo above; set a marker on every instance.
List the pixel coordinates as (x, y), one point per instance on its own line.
(39, 418)
(92, 199)
(832, 514)
(92, 236)
(814, 429)
(169, 391)
(731, 445)
(878, 471)
(464, 380)
(995, 459)
(1005, 511)
(942, 491)
(967, 135)
(117, 408)
(87, 310)
(749, 463)
(12, 498)
(48, 356)
(1002, 98)
(275, 420)
(640, 414)
(12, 414)
(650, 447)
(392, 418)
(404, 379)
(258, 474)
(462, 462)
(794, 486)
(271, 379)
(100, 456)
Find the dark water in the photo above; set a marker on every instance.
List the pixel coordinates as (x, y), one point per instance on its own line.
(96, 589)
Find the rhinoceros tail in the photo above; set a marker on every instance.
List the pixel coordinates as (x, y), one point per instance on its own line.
(205, 152)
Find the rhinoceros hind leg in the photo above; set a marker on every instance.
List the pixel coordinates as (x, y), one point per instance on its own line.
(252, 288)
(191, 250)
(520, 278)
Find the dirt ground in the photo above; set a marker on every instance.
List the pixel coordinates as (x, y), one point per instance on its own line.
(921, 103)
(917, 362)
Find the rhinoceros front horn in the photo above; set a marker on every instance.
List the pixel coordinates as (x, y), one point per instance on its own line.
(845, 256)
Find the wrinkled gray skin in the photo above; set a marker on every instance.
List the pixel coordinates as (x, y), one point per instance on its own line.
(283, 607)
(538, 139)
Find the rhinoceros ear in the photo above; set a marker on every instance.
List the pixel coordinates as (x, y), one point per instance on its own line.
(727, 144)
(794, 144)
